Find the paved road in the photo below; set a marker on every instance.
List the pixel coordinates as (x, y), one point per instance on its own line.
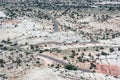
(60, 61)
(56, 23)
(53, 59)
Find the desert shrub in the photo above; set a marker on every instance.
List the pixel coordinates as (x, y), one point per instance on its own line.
(70, 67)
(104, 53)
(111, 49)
